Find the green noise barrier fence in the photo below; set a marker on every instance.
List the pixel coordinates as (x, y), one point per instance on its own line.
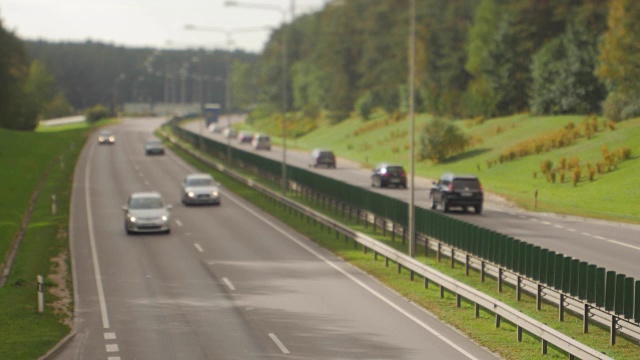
(596, 287)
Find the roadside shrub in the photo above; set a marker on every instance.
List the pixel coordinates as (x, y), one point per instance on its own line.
(546, 167)
(624, 153)
(440, 140)
(96, 113)
(364, 105)
(575, 175)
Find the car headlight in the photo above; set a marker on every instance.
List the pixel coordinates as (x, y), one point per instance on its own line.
(165, 218)
(132, 218)
(214, 193)
(191, 194)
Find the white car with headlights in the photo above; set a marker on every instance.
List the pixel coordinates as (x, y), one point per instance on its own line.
(146, 212)
(200, 189)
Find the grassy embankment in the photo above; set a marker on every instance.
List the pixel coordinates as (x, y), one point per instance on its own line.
(483, 331)
(43, 160)
(607, 197)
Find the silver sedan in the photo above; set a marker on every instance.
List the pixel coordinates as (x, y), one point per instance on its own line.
(200, 189)
(146, 212)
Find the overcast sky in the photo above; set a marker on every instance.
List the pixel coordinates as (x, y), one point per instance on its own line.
(147, 23)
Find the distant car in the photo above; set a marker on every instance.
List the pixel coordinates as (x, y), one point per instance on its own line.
(453, 190)
(200, 189)
(146, 212)
(261, 142)
(385, 175)
(245, 137)
(154, 147)
(230, 133)
(216, 128)
(322, 157)
(106, 137)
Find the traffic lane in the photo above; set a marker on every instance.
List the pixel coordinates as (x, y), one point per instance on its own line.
(315, 305)
(608, 244)
(145, 317)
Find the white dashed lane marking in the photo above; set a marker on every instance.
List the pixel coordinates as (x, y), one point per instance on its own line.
(112, 348)
(279, 343)
(198, 247)
(109, 336)
(583, 233)
(229, 284)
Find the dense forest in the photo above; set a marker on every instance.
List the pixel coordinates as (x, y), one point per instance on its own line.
(473, 58)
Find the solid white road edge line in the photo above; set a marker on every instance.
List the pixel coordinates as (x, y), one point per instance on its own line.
(354, 279)
(198, 247)
(92, 242)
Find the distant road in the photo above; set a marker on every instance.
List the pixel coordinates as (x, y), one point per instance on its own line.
(613, 245)
(62, 121)
(229, 282)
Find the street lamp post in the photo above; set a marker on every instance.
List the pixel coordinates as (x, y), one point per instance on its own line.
(412, 57)
(284, 75)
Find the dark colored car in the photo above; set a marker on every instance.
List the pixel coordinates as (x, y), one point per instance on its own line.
(245, 137)
(322, 157)
(385, 175)
(453, 190)
(153, 147)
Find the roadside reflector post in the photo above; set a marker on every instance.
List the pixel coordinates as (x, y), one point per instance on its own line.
(40, 295)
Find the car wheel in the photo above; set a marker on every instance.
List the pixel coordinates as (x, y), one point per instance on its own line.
(434, 205)
(373, 182)
(445, 205)
(478, 209)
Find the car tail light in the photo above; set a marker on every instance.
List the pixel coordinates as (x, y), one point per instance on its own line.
(402, 173)
(450, 187)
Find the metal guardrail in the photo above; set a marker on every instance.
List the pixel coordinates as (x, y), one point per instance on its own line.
(481, 300)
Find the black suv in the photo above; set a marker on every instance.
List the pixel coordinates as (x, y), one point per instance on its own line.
(386, 174)
(457, 191)
(322, 157)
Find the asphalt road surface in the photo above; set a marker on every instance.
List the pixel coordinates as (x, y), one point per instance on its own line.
(229, 282)
(612, 245)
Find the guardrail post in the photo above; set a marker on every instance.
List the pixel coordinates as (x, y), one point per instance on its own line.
(458, 300)
(375, 255)
(614, 325)
(585, 319)
(384, 227)
(399, 268)
(466, 264)
(393, 231)
(453, 258)
(441, 292)
(561, 308)
(386, 262)
(426, 282)
(426, 246)
(498, 317)
(544, 347)
(476, 310)
(518, 288)
(439, 250)
(539, 297)
(500, 279)
(411, 275)
(482, 266)
(519, 333)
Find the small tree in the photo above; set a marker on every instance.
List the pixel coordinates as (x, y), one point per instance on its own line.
(441, 140)
(96, 113)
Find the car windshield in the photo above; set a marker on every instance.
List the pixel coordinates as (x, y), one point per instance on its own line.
(199, 182)
(394, 169)
(145, 203)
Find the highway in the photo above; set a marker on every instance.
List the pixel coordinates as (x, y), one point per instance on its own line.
(229, 282)
(613, 245)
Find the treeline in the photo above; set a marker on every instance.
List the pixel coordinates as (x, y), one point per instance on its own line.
(474, 58)
(40, 80)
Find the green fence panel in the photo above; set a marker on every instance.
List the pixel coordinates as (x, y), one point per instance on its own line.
(601, 287)
(566, 274)
(636, 309)
(522, 258)
(628, 298)
(591, 283)
(535, 263)
(610, 291)
(575, 277)
(544, 254)
(551, 268)
(558, 272)
(583, 269)
(619, 300)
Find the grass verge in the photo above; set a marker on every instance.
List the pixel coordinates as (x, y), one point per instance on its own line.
(43, 160)
(483, 331)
